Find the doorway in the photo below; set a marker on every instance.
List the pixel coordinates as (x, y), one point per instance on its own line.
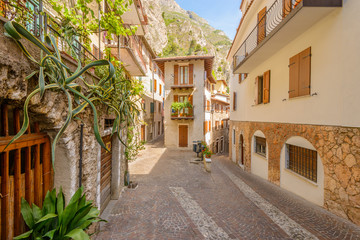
(183, 135)
(241, 150)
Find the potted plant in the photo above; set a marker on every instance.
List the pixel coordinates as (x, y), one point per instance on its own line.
(175, 108)
(207, 154)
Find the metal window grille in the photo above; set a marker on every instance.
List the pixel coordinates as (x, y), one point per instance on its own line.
(260, 146)
(302, 161)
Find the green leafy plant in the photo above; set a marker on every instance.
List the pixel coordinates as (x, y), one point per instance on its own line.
(206, 151)
(176, 106)
(57, 221)
(54, 75)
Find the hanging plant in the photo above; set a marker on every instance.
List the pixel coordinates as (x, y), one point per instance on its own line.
(54, 75)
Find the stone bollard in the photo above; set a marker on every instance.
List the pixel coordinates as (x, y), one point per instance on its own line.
(207, 164)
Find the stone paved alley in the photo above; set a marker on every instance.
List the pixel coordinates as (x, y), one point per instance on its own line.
(177, 199)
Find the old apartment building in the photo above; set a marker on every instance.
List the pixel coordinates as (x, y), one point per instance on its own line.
(294, 95)
(151, 119)
(220, 103)
(187, 79)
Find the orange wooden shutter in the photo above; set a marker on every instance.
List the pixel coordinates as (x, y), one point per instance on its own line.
(190, 99)
(261, 25)
(204, 127)
(304, 72)
(191, 74)
(176, 98)
(287, 6)
(294, 76)
(234, 101)
(176, 74)
(266, 87)
(256, 97)
(155, 85)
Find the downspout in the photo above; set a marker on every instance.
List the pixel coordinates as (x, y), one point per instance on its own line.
(153, 120)
(81, 152)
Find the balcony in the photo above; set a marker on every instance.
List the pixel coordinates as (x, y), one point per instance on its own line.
(130, 54)
(188, 114)
(182, 86)
(279, 26)
(136, 16)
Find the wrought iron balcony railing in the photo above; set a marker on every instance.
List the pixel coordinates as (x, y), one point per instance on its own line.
(279, 10)
(40, 24)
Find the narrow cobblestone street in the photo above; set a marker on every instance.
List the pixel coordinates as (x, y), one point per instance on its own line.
(177, 199)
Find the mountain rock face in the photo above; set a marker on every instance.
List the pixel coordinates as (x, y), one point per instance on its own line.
(173, 31)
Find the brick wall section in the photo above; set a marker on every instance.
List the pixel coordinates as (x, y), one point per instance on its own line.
(338, 147)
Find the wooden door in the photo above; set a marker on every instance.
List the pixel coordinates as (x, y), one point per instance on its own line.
(105, 182)
(142, 132)
(261, 25)
(183, 135)
(26, 170)
(241, 144)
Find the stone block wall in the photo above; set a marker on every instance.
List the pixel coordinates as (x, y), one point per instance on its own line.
(50, 112)
(338, 147)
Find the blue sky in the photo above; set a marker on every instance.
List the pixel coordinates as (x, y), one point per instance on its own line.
(221, 14)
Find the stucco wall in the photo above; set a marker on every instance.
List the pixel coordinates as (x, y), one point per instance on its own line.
(334, 73)
(196, 125)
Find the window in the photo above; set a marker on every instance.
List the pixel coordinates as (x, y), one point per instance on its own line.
(152, 110)
(242, 77)
(184, 75)
(260, 146)
(216, 125)
(302, 161)
(222, 124)
(208, 105)
(160, 89)
(159, 107)
(151, 85)
(299, 74)
(262, 88)
(159, 128)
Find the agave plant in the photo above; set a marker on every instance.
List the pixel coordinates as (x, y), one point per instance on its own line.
(54, 75)
(57, 221)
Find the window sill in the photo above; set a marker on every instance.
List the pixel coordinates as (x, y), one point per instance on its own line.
(301, 177)
(261, 155)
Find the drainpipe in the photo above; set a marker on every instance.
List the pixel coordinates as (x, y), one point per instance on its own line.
(99, 17)
(81, 152)
(153, 120)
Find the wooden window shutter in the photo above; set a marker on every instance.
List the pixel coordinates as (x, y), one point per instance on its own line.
(209, 125)
(287, 6)
(261, 25)
(234, 101)
(256, 100)
(155, 85)
(176, 99)
(191, 74)
(176, 74)
(294, 76)
(304, 72)
(266, 87)
(240, 78)
(205, 125)
(190, 99)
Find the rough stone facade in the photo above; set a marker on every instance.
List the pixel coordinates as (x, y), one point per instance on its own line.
(50, 112)
(338, 147)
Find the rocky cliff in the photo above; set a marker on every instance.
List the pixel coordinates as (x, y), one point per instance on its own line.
(173, 31)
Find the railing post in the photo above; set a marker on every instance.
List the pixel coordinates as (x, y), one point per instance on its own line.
(41, 20)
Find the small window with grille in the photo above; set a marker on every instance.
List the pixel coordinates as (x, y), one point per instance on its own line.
(302, 161)
(260, 146)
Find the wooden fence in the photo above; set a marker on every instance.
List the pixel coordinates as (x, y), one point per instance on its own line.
(25, 167)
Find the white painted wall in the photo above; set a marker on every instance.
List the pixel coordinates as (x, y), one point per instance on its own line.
(259, 163)
(313, 192)
(334, 76)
